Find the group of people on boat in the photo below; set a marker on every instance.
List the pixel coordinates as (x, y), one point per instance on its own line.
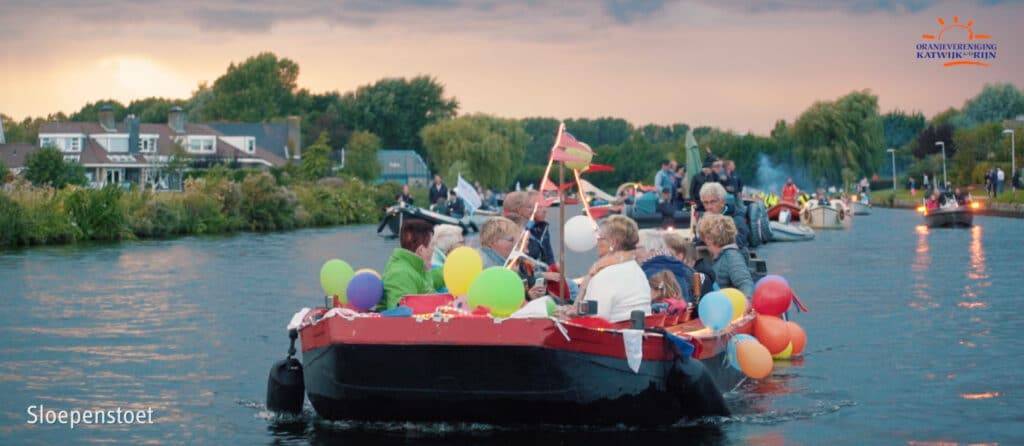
(946, 199)
(652, 271)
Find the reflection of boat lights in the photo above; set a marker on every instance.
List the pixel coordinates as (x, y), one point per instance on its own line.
(979, 396)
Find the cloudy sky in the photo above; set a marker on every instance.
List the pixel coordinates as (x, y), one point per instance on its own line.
(734, 64)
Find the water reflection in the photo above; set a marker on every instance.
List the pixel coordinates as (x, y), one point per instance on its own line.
(921, 268)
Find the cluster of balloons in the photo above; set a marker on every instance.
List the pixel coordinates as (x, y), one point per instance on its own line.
(360, 290)
(719, 308)
(773, 338)
(497, 288)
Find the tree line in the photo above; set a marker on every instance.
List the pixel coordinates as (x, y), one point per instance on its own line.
(831, 142)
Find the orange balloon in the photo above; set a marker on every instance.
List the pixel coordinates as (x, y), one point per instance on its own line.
(754, 359)
(772, 332)
(798, 337)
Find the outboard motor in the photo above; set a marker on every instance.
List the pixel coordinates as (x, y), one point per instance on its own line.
(285, 389)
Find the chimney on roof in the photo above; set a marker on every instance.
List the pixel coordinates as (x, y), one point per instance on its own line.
(176, 119)
(107, 118)
(2, 140)
(133, 133)
(294, 137)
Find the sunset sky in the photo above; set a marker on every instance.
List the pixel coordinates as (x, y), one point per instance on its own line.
(733, 64)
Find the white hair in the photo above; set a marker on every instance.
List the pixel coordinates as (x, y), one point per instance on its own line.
(446, 237)
(712, 190)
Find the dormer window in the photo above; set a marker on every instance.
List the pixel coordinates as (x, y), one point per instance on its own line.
(202, 144)
(148, 144)
(68, 143)
(250, 145)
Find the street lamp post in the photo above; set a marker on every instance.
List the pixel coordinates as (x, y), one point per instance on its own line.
(1013, 156)
(943, 144)
(893, 153)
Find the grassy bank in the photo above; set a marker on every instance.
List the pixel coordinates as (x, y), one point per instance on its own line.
(213, 205)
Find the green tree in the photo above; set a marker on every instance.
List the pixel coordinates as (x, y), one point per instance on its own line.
(901, 127)
(90, 112)
(3, 172)
(925, 144)
(153, 109)
(261, 88)
(47, 167)
(494, 147)
(27, 130)
(973, 145)
(397, 109)
(600, 131)
(316, 159)
(846, 133)
(541, 132)
(994, 103)
(361, 155)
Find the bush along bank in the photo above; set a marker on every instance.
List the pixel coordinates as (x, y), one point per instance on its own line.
(32, 215)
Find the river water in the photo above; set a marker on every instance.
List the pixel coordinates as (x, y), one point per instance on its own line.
(914, 336)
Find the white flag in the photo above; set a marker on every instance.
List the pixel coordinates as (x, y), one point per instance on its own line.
(468, 194)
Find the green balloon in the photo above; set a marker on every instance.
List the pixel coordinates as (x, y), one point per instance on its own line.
(499, 289)
(551, 306)
(334, 278)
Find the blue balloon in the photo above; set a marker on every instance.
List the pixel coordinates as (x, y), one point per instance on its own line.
(715, 310)
(731, 350)
(365, 291)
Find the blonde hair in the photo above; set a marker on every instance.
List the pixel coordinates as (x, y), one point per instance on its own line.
(716, 229)
(679, 246)
(496, 228)
(446, 238)
(514, 202)
(666, 283)
(622, 231)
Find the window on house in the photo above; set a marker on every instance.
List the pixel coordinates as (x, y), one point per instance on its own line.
(73, 145)
(148, 145)
(250, 145)
(201, 144)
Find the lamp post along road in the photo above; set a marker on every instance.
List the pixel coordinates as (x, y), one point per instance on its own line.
(943, 144)
(893, 153)
(1013, 155)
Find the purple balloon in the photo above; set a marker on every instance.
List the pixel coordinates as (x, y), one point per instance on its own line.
(364, 291)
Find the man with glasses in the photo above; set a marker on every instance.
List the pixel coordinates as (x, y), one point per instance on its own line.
(712, 196)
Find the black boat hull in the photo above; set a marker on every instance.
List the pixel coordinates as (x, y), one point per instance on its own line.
(509, 385)
(960, 217)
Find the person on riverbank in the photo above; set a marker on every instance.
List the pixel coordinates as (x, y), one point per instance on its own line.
(1000, 179)
(438, 191)
(616, 281)
(407, 270)
(731, 270)
(405, 198)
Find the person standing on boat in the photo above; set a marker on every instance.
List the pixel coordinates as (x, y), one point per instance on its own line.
(789, 191)
(616, 281)
(682, 187)
(408, 269)
(665, 178)
(731, 270)
(733, 183)
(438, 191)
(704, 176)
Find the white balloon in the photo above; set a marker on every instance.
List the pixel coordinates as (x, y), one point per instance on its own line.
(580, 234)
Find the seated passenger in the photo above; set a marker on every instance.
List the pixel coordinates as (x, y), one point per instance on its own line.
(407, 270)
(731, 270)
(686, 252)
(445, 239)
(933, 202)
(666, 295)
(616, 281)
(654, 257)
(498, 238)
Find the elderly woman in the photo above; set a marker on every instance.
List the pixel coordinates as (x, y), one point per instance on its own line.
(616, 281)
(446, 238)
(719, 233)
(498, 238)
(654, 257)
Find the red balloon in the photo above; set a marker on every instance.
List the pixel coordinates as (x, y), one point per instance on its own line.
(772, 297)
(771, 332)
(798, 337)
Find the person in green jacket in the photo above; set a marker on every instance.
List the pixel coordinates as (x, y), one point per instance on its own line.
(408, 269)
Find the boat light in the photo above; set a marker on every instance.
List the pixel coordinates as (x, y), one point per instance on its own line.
(921, 209)
(975, 205)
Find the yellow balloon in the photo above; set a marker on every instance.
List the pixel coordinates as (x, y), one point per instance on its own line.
(460, 268)
(368, 270)
(738, 300)
(785, 354)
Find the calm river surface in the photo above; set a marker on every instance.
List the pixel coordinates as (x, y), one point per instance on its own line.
(914, 335)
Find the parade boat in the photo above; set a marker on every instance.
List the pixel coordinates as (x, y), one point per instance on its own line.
(861, 206)
(539, 370)
(826, 216)
(951, 215)
(791, 232)
(397, 214)
(775, 211)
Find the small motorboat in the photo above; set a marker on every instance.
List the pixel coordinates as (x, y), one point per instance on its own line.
(951, 214)
(397, 214)
(775, 211)
(472, 368)
(791, 232)
(861, 206)
(834, 215)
